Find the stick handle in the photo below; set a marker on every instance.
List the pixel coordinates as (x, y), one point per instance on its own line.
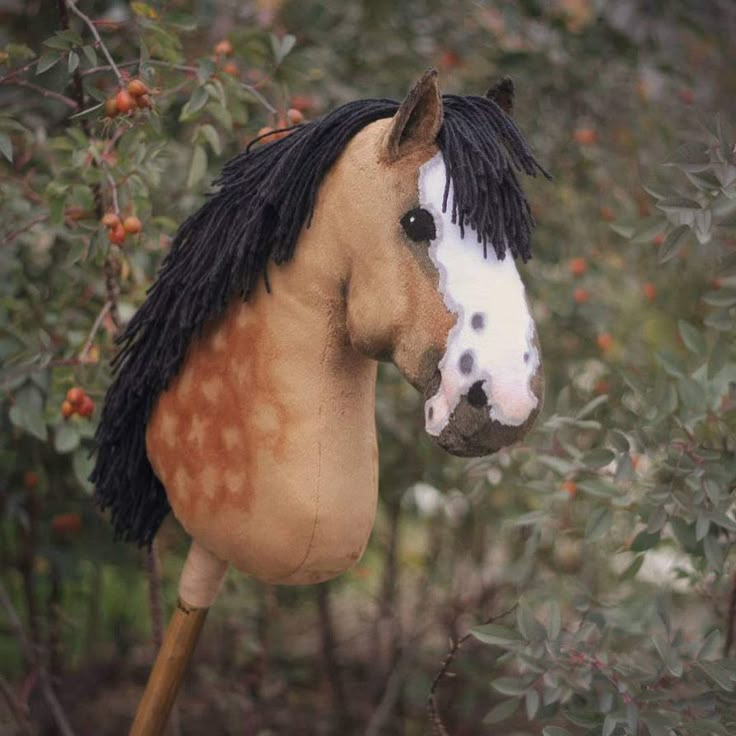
(199, 585)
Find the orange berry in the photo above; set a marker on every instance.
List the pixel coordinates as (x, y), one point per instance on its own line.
(605, 341)
(570, 487)
(67, 409)
(649, 290)
(295, 116)
(87, 407)
(448, 59)
(30, 479)
(144, 101)
(231, 68)
(265, 130)
(580, 295)
(602, 387)
(577, 266)
(66, 524)
(132, 225)
(124, 101)
(117, 234)
(658, 239)
(136, 88)
(717, 283)
(75, 395)
(223, 48)
(302, 102)
(111, 107)
(607, 214)
(585, 136)
(110, 219)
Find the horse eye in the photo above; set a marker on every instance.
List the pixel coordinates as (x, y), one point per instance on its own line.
(418, 224)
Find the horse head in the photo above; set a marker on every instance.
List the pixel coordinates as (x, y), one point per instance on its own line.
(426, 290)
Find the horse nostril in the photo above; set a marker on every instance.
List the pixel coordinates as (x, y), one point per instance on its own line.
(477, 396)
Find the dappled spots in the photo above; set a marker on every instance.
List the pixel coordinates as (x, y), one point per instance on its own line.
(218, 417)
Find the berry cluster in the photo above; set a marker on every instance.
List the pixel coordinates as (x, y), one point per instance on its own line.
(293, 117)
(136, 96)
(117, 229)
(77, 402)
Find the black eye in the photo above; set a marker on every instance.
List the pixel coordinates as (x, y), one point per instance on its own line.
(418, 224)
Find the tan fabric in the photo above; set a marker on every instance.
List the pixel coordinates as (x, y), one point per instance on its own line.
(266, 440)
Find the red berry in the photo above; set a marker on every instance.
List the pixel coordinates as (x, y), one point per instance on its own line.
(87, 407)
(75, 395)
(124, 101)
(132, 225)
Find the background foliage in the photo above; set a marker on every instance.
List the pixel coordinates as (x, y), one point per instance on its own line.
(582, 579)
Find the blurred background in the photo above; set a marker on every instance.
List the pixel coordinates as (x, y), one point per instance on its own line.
(577, 584)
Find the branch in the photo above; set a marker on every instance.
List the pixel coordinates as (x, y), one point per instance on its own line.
(33, 657)
(20, 70)
(16, 707)
(68, 101)
(185, 68)
(113, 191)
(731, 621)
(71, 4)
(438, 727)
(13, 234)
(95, 327)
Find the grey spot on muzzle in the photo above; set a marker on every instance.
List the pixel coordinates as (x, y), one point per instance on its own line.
(478, 321)
(466, 363)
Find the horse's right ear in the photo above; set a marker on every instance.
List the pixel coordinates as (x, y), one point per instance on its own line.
(417, 121)
(502, 93)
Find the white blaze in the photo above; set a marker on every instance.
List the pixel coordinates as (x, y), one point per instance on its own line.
(492, 340)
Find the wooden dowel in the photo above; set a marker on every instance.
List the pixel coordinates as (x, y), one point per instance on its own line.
(168, 670)
(199, 585)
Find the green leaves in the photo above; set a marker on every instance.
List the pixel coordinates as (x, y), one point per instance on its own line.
(197, 167)
(673, 242)
(26, 411)
(6, 147)
(692, 337)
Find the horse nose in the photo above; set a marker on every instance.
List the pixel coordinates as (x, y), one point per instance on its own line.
(512, 405)
(477, 397)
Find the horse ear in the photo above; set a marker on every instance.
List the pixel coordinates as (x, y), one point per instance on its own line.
(417, 121)
(502, 93)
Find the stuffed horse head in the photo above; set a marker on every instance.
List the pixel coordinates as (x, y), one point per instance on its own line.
(244, 391)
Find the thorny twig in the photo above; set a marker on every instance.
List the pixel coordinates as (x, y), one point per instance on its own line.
(20, 70)
(16, 707)
(438, 727)
(84, 354)
(13, 234)
(731, 620)
(184, 68)
(71, 4)
(113, 192)
(36, 661)
(68, 101)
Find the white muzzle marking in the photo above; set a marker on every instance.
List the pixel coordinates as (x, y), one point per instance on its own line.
(492, 341)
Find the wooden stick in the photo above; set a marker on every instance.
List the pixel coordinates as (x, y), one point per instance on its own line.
(199, 585)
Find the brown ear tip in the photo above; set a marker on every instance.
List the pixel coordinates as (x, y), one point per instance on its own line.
(504, 85)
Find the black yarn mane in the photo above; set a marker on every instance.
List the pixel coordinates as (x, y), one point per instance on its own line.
(265, 197)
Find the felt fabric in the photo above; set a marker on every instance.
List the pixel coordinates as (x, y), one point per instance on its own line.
(253, 224)
(491, 345)
(265, 441)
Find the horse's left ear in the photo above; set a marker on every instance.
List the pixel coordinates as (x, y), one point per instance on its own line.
(417, 121)
(502, 93)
